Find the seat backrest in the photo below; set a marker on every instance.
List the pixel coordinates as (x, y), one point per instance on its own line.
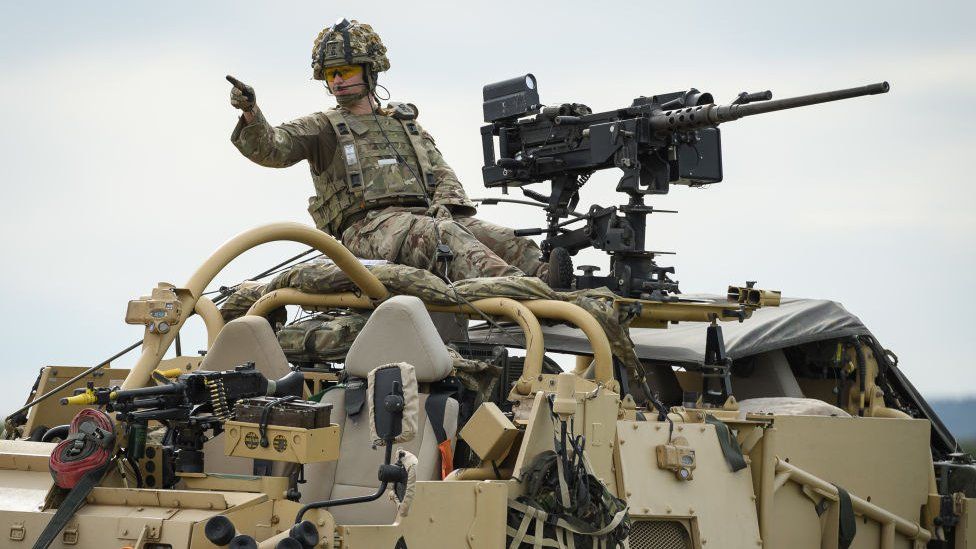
(400, 330)
(770, 377)
(245, 339)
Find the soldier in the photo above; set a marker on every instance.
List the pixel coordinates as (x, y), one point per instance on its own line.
(381, 185)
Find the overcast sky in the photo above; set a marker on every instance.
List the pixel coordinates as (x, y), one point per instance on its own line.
(118, 172)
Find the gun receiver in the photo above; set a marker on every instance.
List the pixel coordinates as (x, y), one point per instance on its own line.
(657, 141)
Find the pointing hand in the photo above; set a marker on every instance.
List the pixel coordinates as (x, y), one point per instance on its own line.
(241, 95)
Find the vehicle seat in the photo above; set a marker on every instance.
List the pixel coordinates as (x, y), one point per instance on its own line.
(771, 376)
(245, 339)
(399, 330)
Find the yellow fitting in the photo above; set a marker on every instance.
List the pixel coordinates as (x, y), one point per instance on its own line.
(84, 399)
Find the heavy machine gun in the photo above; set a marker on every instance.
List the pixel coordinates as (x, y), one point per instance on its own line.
(189, 407)
(657, 141)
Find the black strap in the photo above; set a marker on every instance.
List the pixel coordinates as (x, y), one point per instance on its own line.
(436, 408)
(266, 414)
(262, 467)
(347, 45)
(728, 443)
(355, 396)
(847, 525)
(74, 501)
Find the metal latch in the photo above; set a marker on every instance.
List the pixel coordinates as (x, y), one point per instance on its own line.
(70, 536)
(17, 531)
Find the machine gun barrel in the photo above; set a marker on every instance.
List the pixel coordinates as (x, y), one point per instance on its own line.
(702, 116)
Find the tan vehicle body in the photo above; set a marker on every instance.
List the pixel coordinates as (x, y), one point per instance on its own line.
(785, 497)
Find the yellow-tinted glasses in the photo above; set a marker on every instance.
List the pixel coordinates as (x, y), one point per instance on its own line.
(345, 71)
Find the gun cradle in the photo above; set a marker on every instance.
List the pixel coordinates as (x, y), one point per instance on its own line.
(291, 444)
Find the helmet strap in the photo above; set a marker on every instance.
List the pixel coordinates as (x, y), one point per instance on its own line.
(347, 45)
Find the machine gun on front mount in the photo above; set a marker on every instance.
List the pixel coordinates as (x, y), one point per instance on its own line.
(189, 406)
(657, 141)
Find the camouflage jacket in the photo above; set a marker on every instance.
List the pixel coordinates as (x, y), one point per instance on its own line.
(356, 167)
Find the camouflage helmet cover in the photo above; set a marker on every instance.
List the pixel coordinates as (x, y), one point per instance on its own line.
(348, 43)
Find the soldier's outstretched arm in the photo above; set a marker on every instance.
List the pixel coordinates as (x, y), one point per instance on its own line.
(281, 146)
(306, 138)
(448, 191)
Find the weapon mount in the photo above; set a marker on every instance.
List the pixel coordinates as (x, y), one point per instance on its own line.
(657, 141)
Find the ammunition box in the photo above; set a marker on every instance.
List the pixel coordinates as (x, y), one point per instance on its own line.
(291, 444)
(297, 413)
(489, 433)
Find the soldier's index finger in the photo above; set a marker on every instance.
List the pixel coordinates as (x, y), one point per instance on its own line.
(237, 83)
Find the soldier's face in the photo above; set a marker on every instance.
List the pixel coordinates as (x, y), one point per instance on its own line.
(345, 80)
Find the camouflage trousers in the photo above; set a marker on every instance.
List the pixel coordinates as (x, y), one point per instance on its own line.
(408, 237)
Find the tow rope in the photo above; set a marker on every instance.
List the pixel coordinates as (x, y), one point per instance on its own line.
(78, 464)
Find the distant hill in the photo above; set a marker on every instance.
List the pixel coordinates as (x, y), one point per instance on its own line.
(959, 415)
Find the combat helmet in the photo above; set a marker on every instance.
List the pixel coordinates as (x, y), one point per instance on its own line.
(349, 43)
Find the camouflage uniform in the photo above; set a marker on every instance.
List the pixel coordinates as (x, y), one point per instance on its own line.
(371, 197)
(381, 185)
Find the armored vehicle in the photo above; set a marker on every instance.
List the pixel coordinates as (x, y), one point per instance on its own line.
(403, 411)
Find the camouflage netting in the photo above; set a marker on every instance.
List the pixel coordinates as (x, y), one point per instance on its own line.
(322, 338)
(475, 375)
(241, 300)
(514, 287)
(329, 336)
(599, 303)
(320, 277)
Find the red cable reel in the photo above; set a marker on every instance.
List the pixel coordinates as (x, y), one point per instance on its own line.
(89, 447)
